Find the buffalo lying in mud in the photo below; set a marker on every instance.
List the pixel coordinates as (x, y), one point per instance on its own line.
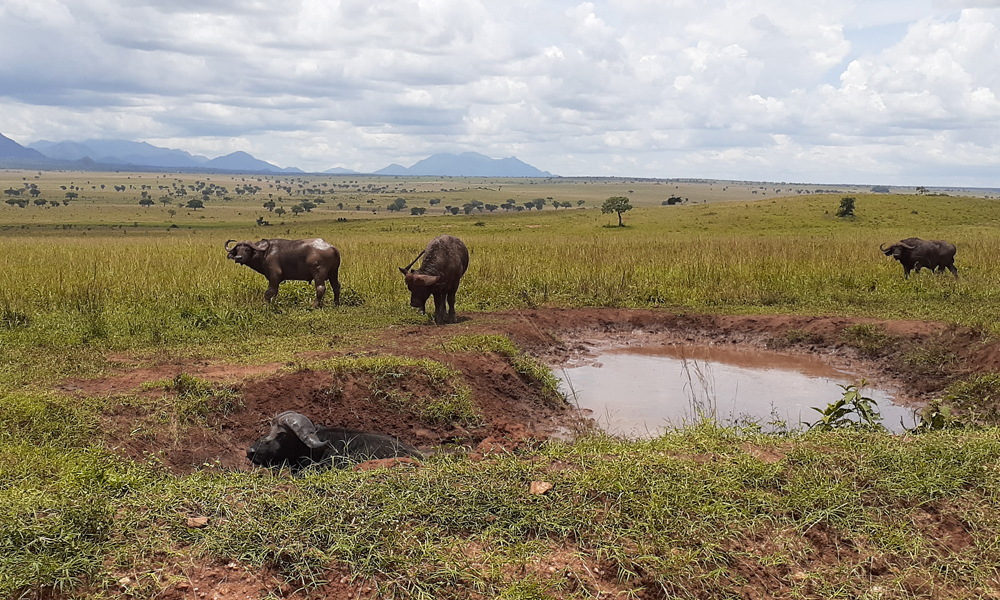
(291, 260)
(445, 261)
(298, 443)
(915, 253)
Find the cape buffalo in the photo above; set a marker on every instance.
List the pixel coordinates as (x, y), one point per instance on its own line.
(294, 440)
(445, 261)
(915, 253)
(291, 260)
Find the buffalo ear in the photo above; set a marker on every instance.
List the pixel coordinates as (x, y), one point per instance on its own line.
(427, 280)
(403, 271)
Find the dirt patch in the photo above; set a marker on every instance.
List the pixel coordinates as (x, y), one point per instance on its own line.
(132, 379)
(195, 581)
(513, 410)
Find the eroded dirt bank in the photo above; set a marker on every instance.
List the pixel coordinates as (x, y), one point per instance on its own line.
(919, 359)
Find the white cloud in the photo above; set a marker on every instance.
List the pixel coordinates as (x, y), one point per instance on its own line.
(887, 90)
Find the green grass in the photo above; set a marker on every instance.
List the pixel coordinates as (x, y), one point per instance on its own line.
(449, 399)
(652, 514)
(691, 514)
(103, 292)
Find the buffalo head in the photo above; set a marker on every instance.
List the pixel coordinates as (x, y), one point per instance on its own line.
(243, 252)
(419, 284)
(292, 436)
(897, 250)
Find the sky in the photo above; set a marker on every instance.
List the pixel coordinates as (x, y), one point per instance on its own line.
(898, 92)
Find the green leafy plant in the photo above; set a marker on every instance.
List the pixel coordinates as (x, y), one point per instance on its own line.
(936, 416)
(838, 415)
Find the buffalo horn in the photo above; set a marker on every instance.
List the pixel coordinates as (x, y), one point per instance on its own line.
(262, 245)
(227, 244)
(301, 426)
(881, 247)
(407, 267)
(907, 246)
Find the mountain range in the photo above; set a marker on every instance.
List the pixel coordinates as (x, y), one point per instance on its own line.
(97, 155)
(466, 164)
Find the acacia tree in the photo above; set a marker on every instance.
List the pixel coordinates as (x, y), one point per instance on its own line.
(616, 204)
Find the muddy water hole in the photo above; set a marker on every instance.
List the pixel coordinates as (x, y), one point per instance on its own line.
(683, 354)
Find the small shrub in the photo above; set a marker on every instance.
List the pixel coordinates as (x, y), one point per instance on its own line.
(838, 415)
(936, 416)
(930, 358)
(450, 400)
(978, 397)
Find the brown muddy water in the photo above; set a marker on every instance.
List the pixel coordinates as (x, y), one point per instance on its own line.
(640, 391)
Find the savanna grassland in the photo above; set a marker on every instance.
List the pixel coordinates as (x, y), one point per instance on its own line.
(101, 285)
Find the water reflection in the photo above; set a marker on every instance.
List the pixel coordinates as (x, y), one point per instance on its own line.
(637, 391)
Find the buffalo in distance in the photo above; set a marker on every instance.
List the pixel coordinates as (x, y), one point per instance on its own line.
(915, 253)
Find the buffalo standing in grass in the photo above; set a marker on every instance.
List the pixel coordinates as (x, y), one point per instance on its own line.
(445, 261)
(291, 260)
(915, 253)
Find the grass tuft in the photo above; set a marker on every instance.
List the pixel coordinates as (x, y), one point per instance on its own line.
(450, 399)
(868, 339)
(197, 398)
(530, 369)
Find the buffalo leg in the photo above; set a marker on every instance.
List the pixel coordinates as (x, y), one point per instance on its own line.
(954, 271)
(272, 291)
(451, 306)
(320, 292)
(335, 283)
(439, 309)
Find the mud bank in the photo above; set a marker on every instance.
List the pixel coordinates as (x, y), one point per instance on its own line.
(915, 359)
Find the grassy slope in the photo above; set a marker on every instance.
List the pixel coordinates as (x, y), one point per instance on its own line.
(691, 514)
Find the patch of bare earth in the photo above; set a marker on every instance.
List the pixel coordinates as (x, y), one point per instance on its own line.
(193, 580)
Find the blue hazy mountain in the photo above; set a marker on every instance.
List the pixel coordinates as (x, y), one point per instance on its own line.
(9, 149)
(340, 171)
(125, 153)
(466, 164)
(393, 169)
(119, 152)
(241, 161)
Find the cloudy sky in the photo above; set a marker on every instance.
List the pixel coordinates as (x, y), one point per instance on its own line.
(866, 91)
